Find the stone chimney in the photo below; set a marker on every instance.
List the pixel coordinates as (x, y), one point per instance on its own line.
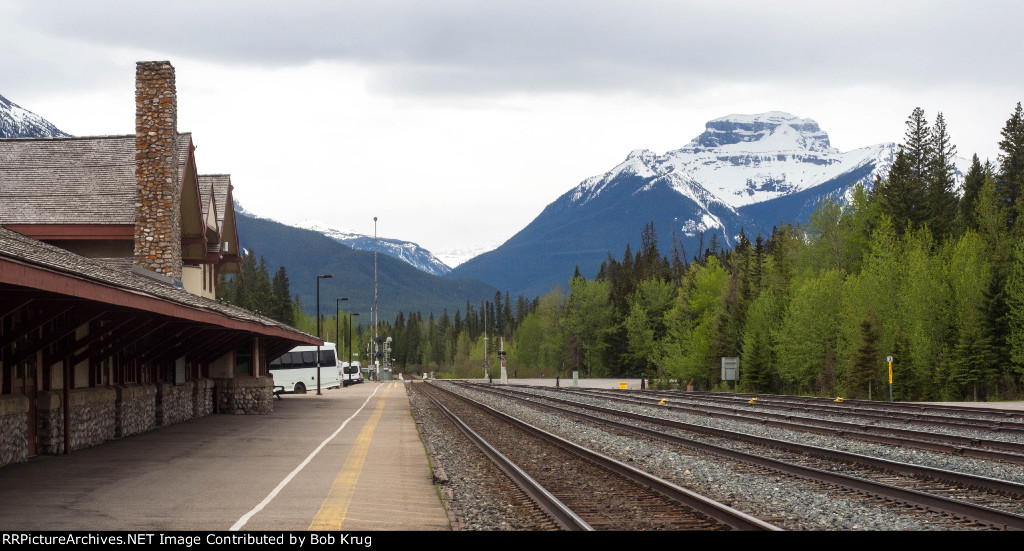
(157, 182)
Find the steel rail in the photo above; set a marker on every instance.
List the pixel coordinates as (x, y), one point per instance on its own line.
(995, 413)
(720, 512)
(962, 446)
(900, 413)
(981, 513)
(562, 515)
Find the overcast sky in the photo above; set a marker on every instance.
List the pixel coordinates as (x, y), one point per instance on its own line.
(456, 122)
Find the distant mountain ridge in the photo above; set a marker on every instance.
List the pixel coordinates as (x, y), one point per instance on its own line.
(16, 122)
(307, 253)
(407, 251)
(743, 171)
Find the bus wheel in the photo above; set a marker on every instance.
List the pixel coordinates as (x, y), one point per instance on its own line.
(300, 388)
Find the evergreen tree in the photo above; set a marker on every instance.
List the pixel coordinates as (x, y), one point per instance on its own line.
(865, 359)
(974, 360)
(1010, 180)
(262, 296)
(1014, 290)
(973, 182)
(499, 318)
(919, 146)
(522, 309)
(508, 322)
(245, 282)
(902, 195)
(283, 309)
(941, 178)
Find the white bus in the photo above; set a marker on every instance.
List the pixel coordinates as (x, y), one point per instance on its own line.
(350, 374)
(295, 370)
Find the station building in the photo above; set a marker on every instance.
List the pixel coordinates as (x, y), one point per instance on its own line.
(110, 249)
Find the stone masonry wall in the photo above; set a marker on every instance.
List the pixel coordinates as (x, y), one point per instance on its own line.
(158, 184)
(13, 429)
(92, 418)
(202, 399)
(174, 404)
(136, 409)
(246, 395)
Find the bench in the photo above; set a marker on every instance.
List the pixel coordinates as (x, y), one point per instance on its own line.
(278, 390)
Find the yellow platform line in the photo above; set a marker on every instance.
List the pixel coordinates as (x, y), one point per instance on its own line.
(334, 509)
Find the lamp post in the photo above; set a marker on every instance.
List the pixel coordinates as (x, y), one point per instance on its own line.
(376, 311)
(337, 326)
(318, 278)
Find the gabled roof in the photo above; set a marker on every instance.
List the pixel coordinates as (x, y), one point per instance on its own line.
(29, 263)
(220, 184)
(68, 180)
(218, 187)
(75, 181)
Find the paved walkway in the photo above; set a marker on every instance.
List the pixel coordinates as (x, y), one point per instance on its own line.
(349, 460)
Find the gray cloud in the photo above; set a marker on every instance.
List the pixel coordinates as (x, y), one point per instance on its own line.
(465, 47)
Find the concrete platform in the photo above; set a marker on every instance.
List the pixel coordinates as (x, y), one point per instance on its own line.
(347, 460)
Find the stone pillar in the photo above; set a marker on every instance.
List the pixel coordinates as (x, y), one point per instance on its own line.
(203, 398)
(158, 183)
(93, 418)
(174, 403)
(135, 409)
(246, 395)
(13, 429)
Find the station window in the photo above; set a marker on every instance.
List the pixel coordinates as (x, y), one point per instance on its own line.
(243, 359)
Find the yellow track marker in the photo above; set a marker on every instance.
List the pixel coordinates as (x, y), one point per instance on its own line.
(334, 509)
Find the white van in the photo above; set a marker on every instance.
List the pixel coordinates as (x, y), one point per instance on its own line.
(295, 370)
(350, 374)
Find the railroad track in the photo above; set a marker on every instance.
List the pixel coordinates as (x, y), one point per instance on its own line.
(1009, 452)
(966, 499)
(995, 421)
(604, 493)
(996, 416)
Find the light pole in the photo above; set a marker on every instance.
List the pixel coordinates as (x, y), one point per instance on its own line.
(376, 313)
(337, 326)
(318, 278)
(376, 310)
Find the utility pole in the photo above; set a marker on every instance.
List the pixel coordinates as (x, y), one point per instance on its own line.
(486, 366)
(376, 312)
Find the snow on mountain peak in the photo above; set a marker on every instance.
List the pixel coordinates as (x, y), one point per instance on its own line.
(740, 160)
(17, 122)
(335, 232)
(771, 131)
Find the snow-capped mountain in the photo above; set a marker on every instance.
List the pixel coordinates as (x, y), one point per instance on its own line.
(16, 122)
(409, 252)
(742, 160)
(744, 171)
(456, 256)
(746, 159)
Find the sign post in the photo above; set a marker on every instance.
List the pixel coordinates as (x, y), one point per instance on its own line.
(889, 359)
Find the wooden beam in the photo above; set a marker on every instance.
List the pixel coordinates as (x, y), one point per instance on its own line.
(43, 232)
(41, 318)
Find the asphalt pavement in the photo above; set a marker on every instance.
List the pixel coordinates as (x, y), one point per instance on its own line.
(347, 460)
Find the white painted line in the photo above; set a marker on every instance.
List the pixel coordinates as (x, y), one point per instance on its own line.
(266, 501)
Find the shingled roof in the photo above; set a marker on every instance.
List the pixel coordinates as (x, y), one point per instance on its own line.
(68, 180)
(127, 286)
(88, 180)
